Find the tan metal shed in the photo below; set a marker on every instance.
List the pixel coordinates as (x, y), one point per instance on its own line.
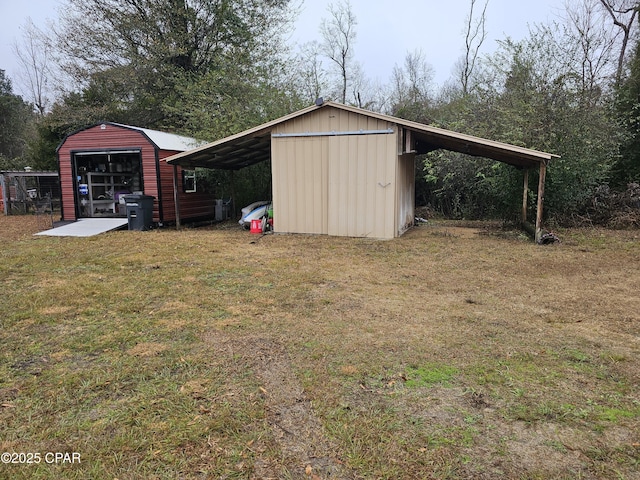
(339, 173)
(345, 171)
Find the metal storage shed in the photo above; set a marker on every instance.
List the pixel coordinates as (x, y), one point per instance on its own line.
(101, 163)
(345, 171)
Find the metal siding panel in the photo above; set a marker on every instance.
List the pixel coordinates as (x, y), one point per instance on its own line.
(362, 186)
(405, 193)
(338, 171)
(314, 161)
(279, 203)
(333, 184)
(331, 119)
(192, 205)
(357, 180)
(66, 186)
(299, 185)
(385, 195)
(278, 185)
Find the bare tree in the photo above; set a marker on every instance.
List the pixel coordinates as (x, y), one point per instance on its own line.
(624, 14)
(587, 44)
(35, 57)
(475, 35)
(312, 76)
(411, 86)
(339, 34)
(366, 94)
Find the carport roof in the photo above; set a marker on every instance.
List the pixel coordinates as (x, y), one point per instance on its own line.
(254, 145)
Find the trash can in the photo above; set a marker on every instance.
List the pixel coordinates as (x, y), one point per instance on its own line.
(139, 211)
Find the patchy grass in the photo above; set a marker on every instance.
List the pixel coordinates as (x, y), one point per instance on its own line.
(452, 352)
(429, 374)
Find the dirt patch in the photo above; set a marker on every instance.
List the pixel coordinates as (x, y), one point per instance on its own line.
(147, 349)
(305, 450)
(455, 232)
(21, 227)
(55, 310)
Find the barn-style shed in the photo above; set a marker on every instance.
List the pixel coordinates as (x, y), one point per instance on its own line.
(344, 171)
(100, 164)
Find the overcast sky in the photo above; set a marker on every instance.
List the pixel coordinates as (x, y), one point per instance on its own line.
(386, 31)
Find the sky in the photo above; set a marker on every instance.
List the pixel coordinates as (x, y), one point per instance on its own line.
(386, 31)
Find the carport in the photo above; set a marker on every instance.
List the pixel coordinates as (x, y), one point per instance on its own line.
(330, 157)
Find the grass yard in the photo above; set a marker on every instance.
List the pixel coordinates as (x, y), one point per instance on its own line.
(450, 353)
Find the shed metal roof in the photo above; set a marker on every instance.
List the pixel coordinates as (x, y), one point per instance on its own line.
(162, 140)
(166, 141)
(254, 145)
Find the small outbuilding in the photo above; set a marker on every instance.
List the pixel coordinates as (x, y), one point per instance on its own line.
(102, 163)
(344, 171)
(28, 191)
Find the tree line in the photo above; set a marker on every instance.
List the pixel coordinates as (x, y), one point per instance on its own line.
(211, 68)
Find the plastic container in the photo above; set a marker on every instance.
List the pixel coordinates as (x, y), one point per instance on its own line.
(139, 211)
(256, 225)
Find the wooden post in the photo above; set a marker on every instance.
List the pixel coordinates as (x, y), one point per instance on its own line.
(543, 175)
(525, 196)
(176, 199)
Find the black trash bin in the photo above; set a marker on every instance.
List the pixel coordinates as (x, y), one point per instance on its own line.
(139, 211)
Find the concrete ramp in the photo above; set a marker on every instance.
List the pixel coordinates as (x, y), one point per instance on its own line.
(86, 227)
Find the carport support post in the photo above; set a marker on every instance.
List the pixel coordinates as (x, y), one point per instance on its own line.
(543, 175)
(525, 196)
(176, 199)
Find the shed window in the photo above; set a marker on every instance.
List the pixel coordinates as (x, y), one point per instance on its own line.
(189, 181)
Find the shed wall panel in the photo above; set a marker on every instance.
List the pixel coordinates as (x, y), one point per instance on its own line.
(192, 205)
(299, 172)
(362, 180)
(405, 193)
(331, 120)
(66, 186)
(337, 185)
